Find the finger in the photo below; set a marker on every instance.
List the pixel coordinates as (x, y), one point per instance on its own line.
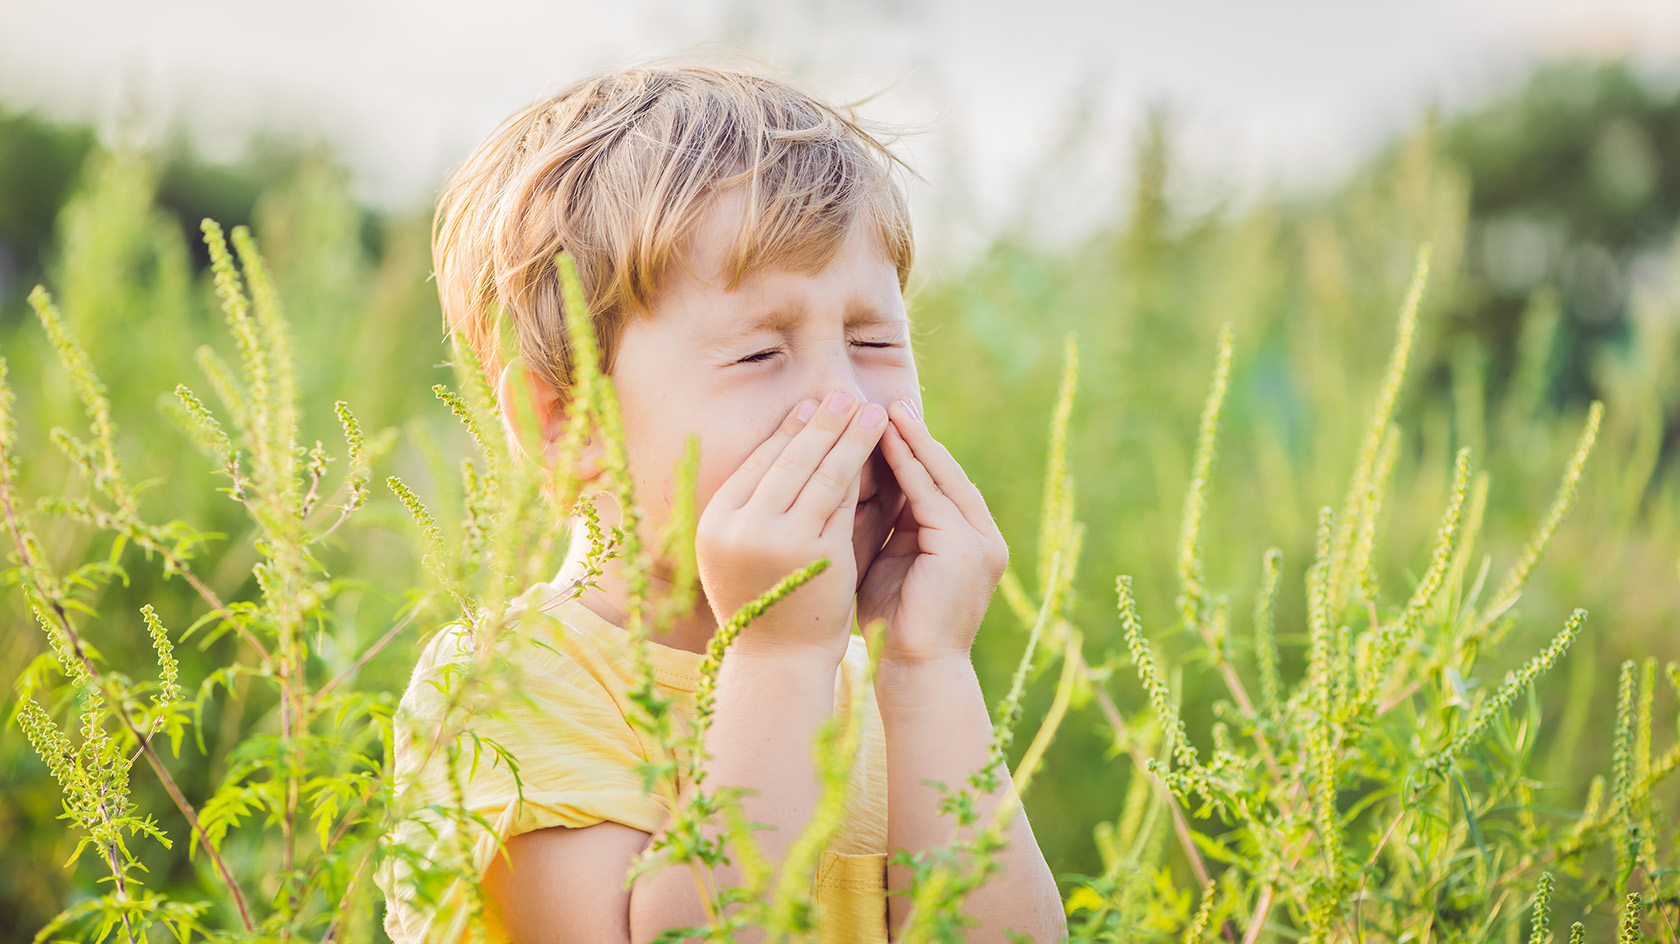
(838, 475)
(905, 533)
(942, 468)
(839, 523)
(790, 470)
(887, 566)
(738, 488)
(932, 508)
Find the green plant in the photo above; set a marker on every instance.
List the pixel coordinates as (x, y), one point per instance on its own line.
(1347, 765)
(1379, 797)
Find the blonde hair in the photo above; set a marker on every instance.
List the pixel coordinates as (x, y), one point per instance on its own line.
(618, 170)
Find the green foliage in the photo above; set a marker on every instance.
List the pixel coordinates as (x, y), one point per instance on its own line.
(1369, 736)
(1359, 721)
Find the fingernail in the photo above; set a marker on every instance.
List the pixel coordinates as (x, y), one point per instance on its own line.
(840, 401)
(806, 410)
(873, 415)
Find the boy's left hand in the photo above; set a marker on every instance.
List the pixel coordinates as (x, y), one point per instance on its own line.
(932, 581)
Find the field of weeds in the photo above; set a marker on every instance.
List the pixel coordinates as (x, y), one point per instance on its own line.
(1343, 601)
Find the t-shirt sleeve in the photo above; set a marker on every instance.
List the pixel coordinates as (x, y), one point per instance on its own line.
(487, 749)
(539, 742)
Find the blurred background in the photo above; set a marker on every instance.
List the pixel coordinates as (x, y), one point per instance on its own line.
(1288, 94)
(1136, 173)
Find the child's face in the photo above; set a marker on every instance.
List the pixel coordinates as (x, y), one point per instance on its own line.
(730, 365)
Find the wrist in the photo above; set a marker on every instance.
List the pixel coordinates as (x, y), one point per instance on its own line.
(775, 688)
(791, 637)
(795, 659)
(902, 659)
(911, 685)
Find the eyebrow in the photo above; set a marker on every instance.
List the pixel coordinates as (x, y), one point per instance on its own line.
(784, 320)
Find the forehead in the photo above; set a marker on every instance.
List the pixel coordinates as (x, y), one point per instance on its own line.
(860, 283)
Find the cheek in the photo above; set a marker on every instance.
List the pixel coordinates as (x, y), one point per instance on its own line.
(890, 382)
(658, 426)
(725, 447)
(651, 462)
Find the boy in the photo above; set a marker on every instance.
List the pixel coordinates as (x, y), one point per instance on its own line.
(744, 251)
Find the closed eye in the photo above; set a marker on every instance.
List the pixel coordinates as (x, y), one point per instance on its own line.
(767, 355)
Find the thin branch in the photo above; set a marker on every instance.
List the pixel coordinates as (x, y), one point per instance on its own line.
(134, 529)
(345, 909)
(216, 604)
(204, 839)
(75, 641)
(373, 650)
(1365, 874)
(1181, 827)
(1262, 909)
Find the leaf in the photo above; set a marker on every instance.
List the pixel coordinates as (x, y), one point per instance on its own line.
(1084, 898)
(1470, 820)
(227, 809)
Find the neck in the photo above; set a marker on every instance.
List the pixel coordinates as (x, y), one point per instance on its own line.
(609, 599)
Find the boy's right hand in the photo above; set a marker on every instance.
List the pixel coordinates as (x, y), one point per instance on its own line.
(789, 504)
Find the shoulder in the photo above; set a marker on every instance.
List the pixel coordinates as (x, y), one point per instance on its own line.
(527, 680)
(529, 639)
(536, 711)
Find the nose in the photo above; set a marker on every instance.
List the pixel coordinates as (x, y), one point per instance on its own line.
(837, 372)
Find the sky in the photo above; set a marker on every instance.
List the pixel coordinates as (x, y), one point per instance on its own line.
(1264, 94)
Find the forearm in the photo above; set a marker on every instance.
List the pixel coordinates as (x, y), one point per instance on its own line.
(937, 729)
(766, 714)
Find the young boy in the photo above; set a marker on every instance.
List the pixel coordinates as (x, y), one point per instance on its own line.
(744, 251)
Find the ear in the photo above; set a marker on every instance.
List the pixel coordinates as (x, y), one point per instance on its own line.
(522, 391)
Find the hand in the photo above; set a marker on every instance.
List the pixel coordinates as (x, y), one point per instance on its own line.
(789, 504)
(932, 581)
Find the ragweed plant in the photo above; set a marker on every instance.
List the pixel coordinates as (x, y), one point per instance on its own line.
(301, 818)
(1385, 795)
(312, 779)
(1368, 774)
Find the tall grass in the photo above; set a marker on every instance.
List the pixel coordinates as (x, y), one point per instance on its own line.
(1347, 689)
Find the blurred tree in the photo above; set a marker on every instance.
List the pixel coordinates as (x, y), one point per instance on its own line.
(1573, 187)
(39, 163)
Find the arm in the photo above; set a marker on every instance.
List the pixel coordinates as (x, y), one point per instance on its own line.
(937, 729)
(567, 885)
(790, 503)
(930, 585)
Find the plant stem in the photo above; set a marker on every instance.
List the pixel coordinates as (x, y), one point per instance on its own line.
(75, 641)
(215, 602)
(373, 650)
(1262, 909)
(345, 909)
(1181, 827)
(1365, 874)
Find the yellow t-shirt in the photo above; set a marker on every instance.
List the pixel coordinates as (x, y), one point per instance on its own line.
(577, 758)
